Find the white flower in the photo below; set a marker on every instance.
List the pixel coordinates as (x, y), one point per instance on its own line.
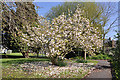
(28, 44)
(65, 31)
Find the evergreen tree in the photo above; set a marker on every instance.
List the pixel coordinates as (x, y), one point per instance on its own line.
(15, 17)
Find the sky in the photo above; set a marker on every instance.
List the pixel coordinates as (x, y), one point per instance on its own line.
(60, 0)
(46, 6)
(76, 0)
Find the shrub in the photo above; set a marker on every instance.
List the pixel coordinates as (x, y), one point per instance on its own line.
(81, 61)
(61, 63)
(101, 56)
(79, 57)
(116, 59)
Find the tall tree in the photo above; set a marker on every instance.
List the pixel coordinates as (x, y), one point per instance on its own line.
(58, 37)
(92, 11)
(8, 26)
(98, 13)
(109, 10)
(22, 14)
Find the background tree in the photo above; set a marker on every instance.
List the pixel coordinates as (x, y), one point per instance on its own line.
(98, 13)
(16, 16)
(116, 58)
(7, 19)
(92, 11)
(109, 10)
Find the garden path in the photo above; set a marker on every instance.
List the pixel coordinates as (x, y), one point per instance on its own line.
(102, 71)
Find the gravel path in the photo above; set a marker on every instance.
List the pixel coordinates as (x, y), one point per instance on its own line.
(102, 71)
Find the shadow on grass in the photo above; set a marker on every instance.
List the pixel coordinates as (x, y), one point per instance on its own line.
(16, 59)
(11, 61)
(24, 60)
(16, 56)
(11, 56)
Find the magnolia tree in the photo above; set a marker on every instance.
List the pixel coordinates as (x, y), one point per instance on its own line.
(58, 38)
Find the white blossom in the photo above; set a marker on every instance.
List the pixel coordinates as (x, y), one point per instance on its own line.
(74, 31)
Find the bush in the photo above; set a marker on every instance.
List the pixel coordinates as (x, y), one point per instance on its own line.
(81, 61)
(78, 57)
(101, 57)
(61, 63)
(116, 68)
(116, 59)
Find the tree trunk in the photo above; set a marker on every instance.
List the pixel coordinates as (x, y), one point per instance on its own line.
(85, 55)
(5, 55)
(54, 61)
(25, 54)
(37, 54)
(103, 43)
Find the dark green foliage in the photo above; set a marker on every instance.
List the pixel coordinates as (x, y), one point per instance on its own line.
(8, 27)
(101, 57)
(116, 59)
(78, 57)
(61, 63)
(16, 16)
(116, 68)
(81, 61)
(77, 52)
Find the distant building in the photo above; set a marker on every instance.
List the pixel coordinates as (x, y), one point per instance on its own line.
(113, 44)
(110, 43)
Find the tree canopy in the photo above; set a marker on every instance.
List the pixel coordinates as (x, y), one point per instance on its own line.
(62, 34)
(16, 16)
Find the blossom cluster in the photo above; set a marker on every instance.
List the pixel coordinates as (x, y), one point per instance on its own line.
(59, 36)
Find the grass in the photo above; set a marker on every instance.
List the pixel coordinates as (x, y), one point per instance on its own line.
(92, 61)
(80, 73)
(30, 54)
(10, 68)
(8, 73)
(10, 64)
(16, 58)
(20, 54)
(87, 61)
(15, 54)
(16, 61)
(96, 57)
(17, 73)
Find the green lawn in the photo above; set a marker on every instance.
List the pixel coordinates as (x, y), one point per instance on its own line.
(87, 61)
(20, 54)
(92, 61)
(10, 68)
(13, 58)
(15, 54)
(8, 62)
